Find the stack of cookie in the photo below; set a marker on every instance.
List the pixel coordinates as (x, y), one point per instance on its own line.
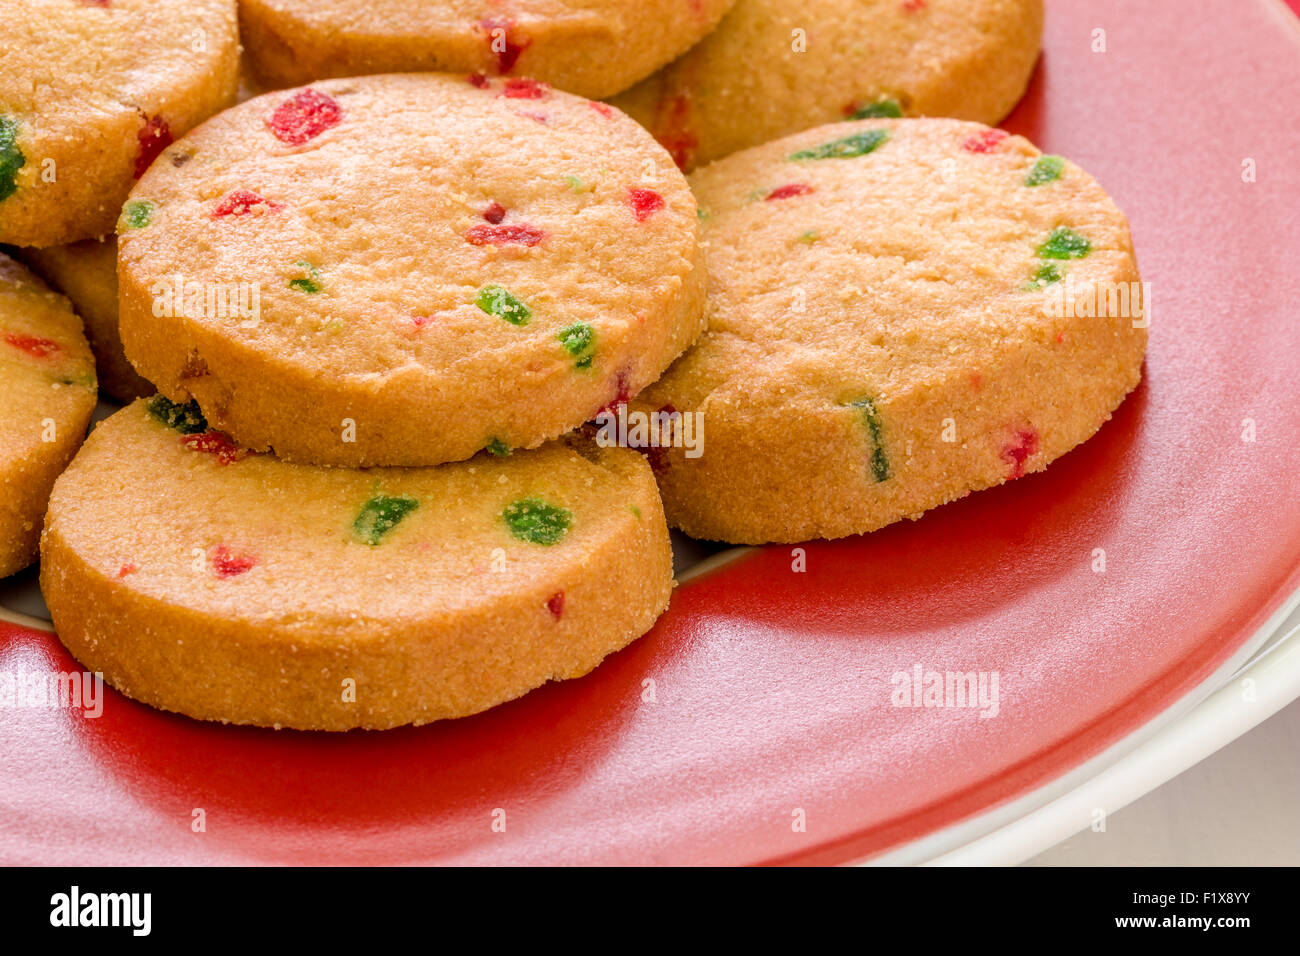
(383, 308)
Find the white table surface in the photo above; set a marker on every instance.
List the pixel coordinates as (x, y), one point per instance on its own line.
(1238, 807)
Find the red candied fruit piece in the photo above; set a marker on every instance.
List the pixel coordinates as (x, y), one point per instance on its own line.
(494, 213)
(604, 109)
(986, 141)
(129, 568)
(241, 202)
(479, 80)
(304, 116)
(508, 47)
(911, 6)
(622, 393)
(645, 202)
(523, 88)
(32, 345)
(518, 234)
(227, 563)
(155, 136)
(788, 191)
(1021, 449)
(215, 443)
(675, 133)
(555, 604)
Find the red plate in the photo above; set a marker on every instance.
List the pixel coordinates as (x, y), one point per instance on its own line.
(772, 689)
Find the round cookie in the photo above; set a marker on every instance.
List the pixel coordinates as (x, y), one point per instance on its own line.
(86, 272)
(402, 270)
(589, 47)
(236, 587)
(900, 312)
(47, 394)
(91, 92)
(773, 68)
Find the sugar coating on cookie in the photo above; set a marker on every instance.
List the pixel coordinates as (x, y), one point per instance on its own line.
(901, 312)
(589, 47)
(773, 68)
(90, 94)
(86, 272)
(47, 394)
(227, 585)
(390, 270)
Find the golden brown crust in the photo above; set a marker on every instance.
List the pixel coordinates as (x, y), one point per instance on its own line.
(891, 303)
(589, 47)
(86, 272)
(47, 394)
(773, 68)
(90, 93)
(447, 613)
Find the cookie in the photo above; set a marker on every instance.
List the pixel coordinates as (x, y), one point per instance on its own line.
(403, 270)
(773, 68)
(91, 92)
(47, 394)
(231, 586)
(86, 272)
(589, 47)
(900, 312)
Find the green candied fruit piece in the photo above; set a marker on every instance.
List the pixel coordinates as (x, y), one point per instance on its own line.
(871, 419)
(1047, 169)
(702, 214)
(310, 283)
(1064, 243)
(537, 522)
(138, 213)
(635, 510)
(585, 363)
(577, 184)
(499, 448)
(185, 418)
(808, 237)
(576, 338)
(501, 302)
(859, 144)
(1048, 273)
(380, 515)
(11, 157)
(884, 108)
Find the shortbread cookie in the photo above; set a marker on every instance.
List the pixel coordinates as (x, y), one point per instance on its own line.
(86, 272)
(233, 586)
(589, 47)
(402, 270)
(91, 91)
(900, 312)
(772, 68)
(47, 394)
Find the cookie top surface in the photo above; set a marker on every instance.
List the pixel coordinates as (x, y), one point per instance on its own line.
(47, 373)
(772, 68)
(420, 231)
(176, 514)
(87, 56)
(591, 47)
(882, 253)
(90, 93)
